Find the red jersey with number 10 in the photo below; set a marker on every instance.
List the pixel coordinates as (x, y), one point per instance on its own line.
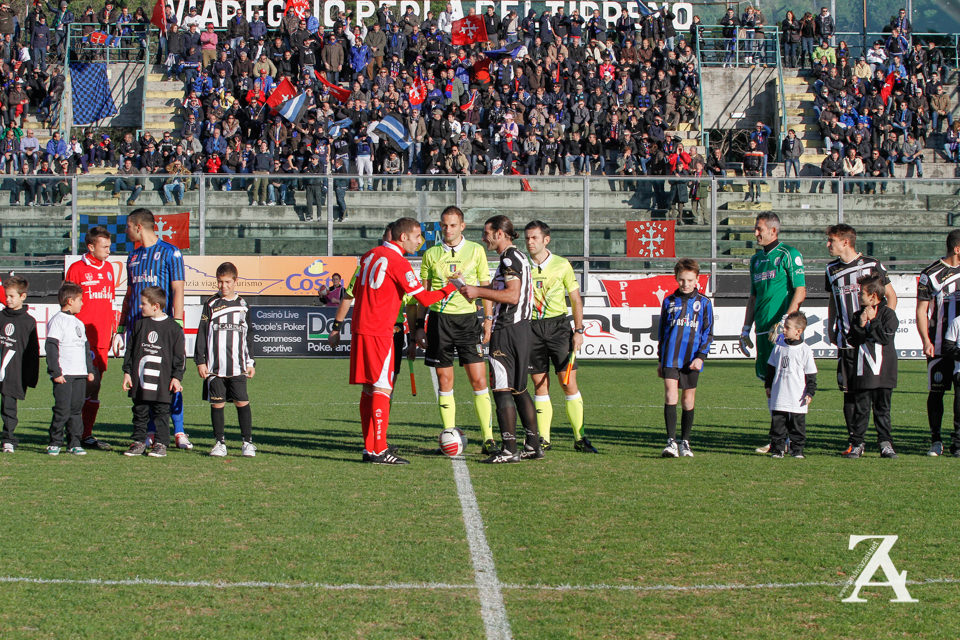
(385, 277)
(96, 279)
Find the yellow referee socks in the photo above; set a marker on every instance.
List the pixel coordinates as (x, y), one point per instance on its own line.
(575, 414)
(544, 416)
(448, 409)
(481, 402)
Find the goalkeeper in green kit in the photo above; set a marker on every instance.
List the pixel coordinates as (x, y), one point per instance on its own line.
(777, 287)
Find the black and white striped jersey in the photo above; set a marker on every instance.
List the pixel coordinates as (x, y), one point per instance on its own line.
(939, 284)
(224, 339)
(513, 266)
(841, 282)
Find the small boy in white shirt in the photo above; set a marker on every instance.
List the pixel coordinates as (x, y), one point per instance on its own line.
(70, 365)
(791, 381)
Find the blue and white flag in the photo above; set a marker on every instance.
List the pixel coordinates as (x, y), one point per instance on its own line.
(334, 128)
(644, 9)
(511, 50)
(113, 41)
(395, 130)
(294, 108)
(91, 92)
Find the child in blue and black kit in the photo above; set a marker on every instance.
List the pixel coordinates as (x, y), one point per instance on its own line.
(684, 339)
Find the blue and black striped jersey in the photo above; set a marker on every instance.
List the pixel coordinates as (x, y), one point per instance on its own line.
(158, 265)
(686, 329)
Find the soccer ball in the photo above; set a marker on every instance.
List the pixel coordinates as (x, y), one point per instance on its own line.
(453, 442)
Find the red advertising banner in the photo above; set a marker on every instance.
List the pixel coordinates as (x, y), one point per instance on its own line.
(646, 291)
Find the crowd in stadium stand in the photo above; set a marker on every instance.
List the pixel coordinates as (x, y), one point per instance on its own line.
(551, 94)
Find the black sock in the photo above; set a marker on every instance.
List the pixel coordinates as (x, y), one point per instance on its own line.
(216, 418)
(849, 408)
(245, 416)
(935, 414)
(507, 419)
(686, 424)
(528, 417)
(670, 419)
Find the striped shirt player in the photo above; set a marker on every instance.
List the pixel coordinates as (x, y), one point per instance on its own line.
(159, 265)
(684, 336)
(938, 304)
(154, 264)
(685, 333)
(224, 340)
(385, 277)
(841, 282)
(511, 291)
(224, 357)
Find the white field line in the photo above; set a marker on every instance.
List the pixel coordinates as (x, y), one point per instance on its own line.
(433, 586)
(492, 610)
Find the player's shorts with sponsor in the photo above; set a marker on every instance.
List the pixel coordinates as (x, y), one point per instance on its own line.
(846, 367)
(449, 334)
(939, 373)
(510, 357)
(552, 342)
(217, 389)
(371, 360)
(686, 377)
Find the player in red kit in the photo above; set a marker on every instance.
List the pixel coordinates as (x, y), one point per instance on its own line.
(385, 277)
(95, 275)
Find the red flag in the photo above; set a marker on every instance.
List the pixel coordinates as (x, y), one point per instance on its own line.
(283, 92)
(649, 239)
(418, 92)
(339, 93)
(469, 104)
(888, 87)
(644, 291)
(159, 17)
(468, 30)
(299, 7)
(98, 37)
(481, 71)
(524, 183)
(173, 228)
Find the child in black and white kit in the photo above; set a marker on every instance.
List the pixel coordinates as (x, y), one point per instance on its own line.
(19, 355)
(791, 381)
(70, 365)
(871, 333)
(153, 369)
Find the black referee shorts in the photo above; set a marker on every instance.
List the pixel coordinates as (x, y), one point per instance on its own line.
(217, 389)
(399, 344)
(449, 334)
(510, 357)
(552, 342)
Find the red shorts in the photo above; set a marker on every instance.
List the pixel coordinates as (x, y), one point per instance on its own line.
(371, 360)
(100, 359)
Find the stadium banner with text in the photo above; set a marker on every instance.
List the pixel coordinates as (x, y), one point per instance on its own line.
(631, 333)
(259, 275)
(296, 332)
(272, 11)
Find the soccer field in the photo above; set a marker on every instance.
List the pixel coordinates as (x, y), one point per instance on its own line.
(304, 541)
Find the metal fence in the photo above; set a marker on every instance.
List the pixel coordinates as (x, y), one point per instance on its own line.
(904, 222)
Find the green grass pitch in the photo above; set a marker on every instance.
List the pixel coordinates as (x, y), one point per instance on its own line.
(584, 546)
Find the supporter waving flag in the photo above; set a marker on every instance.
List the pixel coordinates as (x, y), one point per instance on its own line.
(395, 130)
(468, 30)
(888, 87)
(417, 92)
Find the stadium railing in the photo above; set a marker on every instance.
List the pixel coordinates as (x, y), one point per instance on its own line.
(905, 226)
(739, 51)
(127, 51)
